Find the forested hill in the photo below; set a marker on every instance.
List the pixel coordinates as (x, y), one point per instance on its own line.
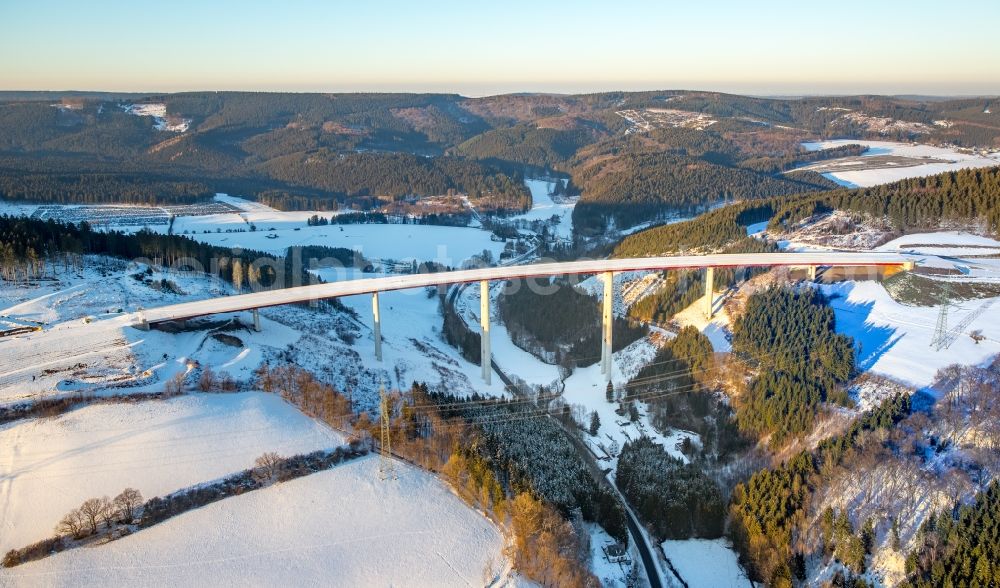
(631, 155)
(643, 187)
(966, 197)
(354, 176)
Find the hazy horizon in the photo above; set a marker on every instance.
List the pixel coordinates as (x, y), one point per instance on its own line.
(781, 49)
(510, 92)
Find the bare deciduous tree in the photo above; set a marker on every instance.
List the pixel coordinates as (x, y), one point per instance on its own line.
(207, 380)
(126, 504)
(175, 385)
(266, 466)
(93, 510)
(71, 524)
(226, 382)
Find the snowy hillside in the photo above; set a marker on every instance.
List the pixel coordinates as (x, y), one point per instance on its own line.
(50, 466)
(894, 339)
(706, 563)
(158, 112)
(337, 527)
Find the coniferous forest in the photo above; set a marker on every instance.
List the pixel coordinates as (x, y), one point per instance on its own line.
(676, 499)
(800, 362)
(959, 547)
(770, 510)
(968, 197)
(363, 151)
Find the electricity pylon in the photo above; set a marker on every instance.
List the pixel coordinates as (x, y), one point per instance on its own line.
(386, 467)
(940, 339)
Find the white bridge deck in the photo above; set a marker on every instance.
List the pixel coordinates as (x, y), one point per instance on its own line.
(298, 294)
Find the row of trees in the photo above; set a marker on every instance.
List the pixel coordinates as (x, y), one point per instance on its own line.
(86, 519)
(774, 165)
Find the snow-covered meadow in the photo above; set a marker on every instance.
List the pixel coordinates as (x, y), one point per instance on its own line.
(952, 160)
(49, 466)
(446, 245)
(705, 563)
(543, 207)
(158, 112)
(894, 339)
(342, 526)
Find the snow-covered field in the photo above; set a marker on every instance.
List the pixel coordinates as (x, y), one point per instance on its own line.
(342, 527)
(251, 225)
(919, 241)
(871, 177)
(894, 340)
(276, 231)
(50, 466)
(706, 563)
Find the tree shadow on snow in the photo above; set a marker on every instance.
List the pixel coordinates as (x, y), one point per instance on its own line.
(871, 341)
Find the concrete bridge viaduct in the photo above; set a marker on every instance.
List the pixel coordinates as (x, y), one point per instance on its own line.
(605, 268)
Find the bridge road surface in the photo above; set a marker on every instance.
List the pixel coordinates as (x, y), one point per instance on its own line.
(299, 294)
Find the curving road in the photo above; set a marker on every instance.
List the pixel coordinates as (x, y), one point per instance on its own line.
(367, 286)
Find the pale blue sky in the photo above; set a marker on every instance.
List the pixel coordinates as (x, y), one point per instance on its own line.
(475, 48)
